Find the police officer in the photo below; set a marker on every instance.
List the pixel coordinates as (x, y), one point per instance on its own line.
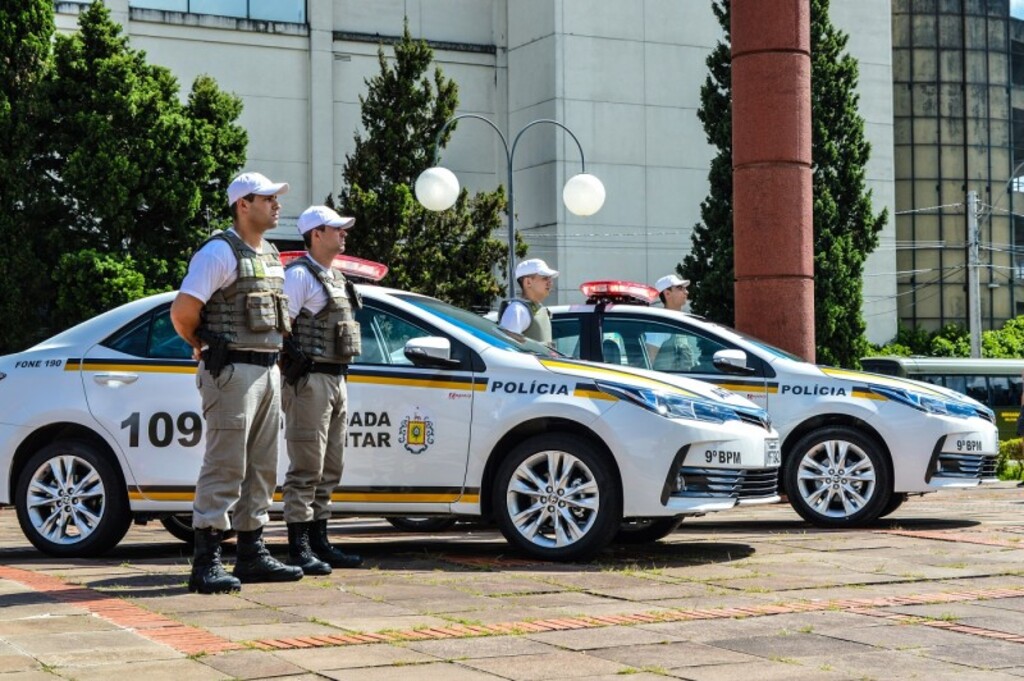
(325, 338)
(675, 353)
(232, 310)
(672, 291)
(527, 315)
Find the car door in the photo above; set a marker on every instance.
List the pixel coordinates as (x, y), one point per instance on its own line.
(675, 347)
(407, 443)
(140, 387)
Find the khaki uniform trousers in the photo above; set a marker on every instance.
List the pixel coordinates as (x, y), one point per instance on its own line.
(242, 408)
(316, 416)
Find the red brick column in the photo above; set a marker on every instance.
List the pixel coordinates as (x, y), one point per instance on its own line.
(771, 155)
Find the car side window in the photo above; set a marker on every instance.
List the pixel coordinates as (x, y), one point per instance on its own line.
(650, 344)
(566, 331)
(384, 336)
(151, 337)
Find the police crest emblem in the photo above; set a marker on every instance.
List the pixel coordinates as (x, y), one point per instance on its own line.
(416, 433)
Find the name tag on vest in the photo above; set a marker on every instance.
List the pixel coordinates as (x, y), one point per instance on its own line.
(273, 271)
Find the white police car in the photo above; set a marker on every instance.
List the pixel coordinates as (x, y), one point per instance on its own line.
(854, 444)
(449, 416)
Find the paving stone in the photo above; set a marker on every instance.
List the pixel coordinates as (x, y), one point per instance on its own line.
(89, 648)
(979, 653)
(351, 657)
(559, 665)
(896, 665)
(602, 637)
(251, 664)
(438, 670)
(254, 632)
(791, 646)
(671, 655)
(482, 646)
(898, 636)
(163, 670)
(46, 624)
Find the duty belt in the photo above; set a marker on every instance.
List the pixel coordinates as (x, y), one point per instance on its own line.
(263, 359)
(329, 368)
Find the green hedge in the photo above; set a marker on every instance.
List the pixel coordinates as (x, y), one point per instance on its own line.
(1009, 463)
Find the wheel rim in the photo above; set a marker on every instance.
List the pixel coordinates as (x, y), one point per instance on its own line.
(553, 499)
(65, 499)
(836, 478)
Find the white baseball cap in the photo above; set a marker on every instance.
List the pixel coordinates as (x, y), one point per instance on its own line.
(534, 266)
(254, 183)
(315, 216)
(670, 280)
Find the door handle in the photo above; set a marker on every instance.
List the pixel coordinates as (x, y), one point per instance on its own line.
(115, 379)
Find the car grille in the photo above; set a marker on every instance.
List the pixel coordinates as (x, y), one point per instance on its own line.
(986, 414)
(972, 466)
(719, 483)
(759, 418)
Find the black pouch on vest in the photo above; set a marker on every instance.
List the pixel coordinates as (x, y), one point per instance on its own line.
(284, 320)
(349, 342)
(261, 311)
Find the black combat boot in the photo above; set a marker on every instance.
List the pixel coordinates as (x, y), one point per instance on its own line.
(255, 564)
(208, 575)
(321, 546)
(300, 553)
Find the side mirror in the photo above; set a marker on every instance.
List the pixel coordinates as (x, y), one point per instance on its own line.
(732, 362)
(431, 351)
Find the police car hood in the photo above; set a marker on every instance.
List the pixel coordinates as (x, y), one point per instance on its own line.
(655, 380)
(863, 379)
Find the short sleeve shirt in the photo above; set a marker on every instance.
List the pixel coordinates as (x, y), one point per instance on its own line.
(517, 317)
(304, 290)
(213, 267)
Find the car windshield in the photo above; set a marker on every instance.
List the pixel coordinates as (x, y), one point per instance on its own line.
(478, 327)
(767, 347)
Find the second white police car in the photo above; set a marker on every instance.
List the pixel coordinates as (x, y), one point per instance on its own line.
(854, 444)
(449, 416)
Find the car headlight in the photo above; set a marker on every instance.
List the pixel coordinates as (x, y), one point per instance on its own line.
(671, 405)
(927, 403)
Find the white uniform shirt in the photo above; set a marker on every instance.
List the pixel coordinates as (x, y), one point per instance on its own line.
(212, 268)
(304, 290)
(517, 317)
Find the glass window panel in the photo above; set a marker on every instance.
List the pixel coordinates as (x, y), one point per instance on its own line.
(926, 194)
(924, 65)
(950, 33)
(924, 100)
(998, 132)
(999, 101)
(926, 131)
(998, 68)
(957, 383)
(951, 100)
(904, 198)
(997, 40)
(902, 130)
(926, 162)
(900, 28)
(901, 103)
(565, 332)
(1018, 136)
(977, 33)
(901, 65)
(998, 8)
(384, 336)
(978, 67)
(924, 31)
(978, 163)
(951, 130)
(165, 5)
(292, 11)
(977, 387)
(924, 6)
(224, 8)
(952, 161)
(164, 341)
(949, 6)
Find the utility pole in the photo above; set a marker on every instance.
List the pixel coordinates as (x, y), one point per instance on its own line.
(973, 279)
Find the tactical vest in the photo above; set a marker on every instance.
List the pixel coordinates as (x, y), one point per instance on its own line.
(540, 320)
(332, 334)
(252, 312)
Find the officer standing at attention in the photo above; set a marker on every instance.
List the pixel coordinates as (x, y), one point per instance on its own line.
(672, 291)
(232, 310)
(325, 338)
(527, 315)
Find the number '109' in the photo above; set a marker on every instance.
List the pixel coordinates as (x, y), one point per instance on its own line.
(161, 429)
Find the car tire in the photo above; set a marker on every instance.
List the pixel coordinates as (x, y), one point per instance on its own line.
(424, 524)
(895, 501)
(71, 501)
(571, 521)
(645, 530)
(180, 527)
(852, 491)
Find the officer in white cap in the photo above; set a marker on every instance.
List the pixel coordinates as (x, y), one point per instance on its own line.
(231, 309)
(676, 353)
(324, 339)
(527, 315)
(672, 291)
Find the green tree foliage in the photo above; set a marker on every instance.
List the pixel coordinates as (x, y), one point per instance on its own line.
(94, 282)
(121, 169)
(845, 228)
(26, 31)
(709, 265)
(451, 255)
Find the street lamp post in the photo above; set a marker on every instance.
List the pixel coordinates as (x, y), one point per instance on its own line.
(437, 188)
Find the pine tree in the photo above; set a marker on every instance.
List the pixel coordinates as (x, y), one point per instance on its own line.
(845, 228)
(452, 254)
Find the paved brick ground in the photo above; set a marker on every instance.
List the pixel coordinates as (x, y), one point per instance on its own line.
(936, 591)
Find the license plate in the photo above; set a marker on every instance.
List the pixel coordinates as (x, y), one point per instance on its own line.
(772, 452)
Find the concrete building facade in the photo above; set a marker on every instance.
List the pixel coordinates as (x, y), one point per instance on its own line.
(624, 75)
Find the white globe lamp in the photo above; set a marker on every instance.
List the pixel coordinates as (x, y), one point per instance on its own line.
(583, 194)
(437, 188)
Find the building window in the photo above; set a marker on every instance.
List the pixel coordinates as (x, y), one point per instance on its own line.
(1018, 137)
(288, 11)
(1017, 59)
